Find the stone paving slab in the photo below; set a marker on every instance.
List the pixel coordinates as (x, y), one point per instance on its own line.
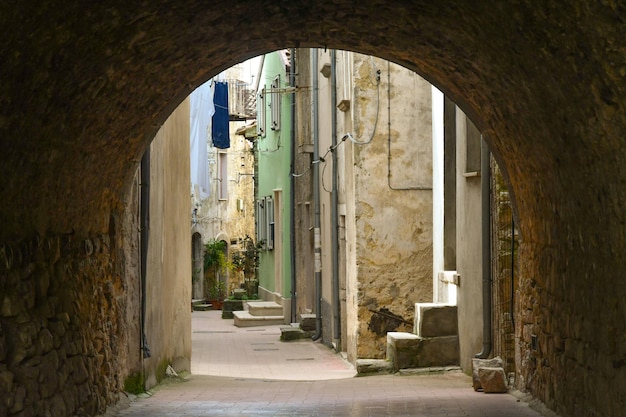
(389, 395)
(240, 372)
(220, 348)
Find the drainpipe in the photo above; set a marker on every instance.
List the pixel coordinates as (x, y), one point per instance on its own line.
(292, 209)
(334, 205)
(486, 249)
(316, 198)
(259, 74)
(145, 228)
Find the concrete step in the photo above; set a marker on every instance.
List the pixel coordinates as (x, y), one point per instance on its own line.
(307, 322)
(408, 350)
(435, 320)
(245, 319)
(294, 332)
(265, 308)
(202, 306)
(434, 370)
(373, 367)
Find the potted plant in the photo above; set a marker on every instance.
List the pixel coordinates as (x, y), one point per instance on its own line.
(217, 294)
(247, 261)
(215, 262)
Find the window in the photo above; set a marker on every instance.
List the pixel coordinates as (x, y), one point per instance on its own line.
(275, 103)
(264, 218)
(260, 114)
(222, 167)
(260, 222)
(269, 218)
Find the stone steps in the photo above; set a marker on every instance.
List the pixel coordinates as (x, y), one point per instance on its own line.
(265, 308)
(305, 329)
(407, 350)
(201, 305)
(434, 345)
(259, 313)
(245, 319)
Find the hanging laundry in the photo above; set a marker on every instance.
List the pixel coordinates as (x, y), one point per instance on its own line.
(201, 112)
(221, 135)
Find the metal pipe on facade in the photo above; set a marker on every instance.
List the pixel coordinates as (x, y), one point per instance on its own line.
(292, 209)
(259, 73)
(145, 229)
(485, 182)
(334, 205)
(316, 196)
(512, 306)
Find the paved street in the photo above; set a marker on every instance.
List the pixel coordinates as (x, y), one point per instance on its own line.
(248, 372)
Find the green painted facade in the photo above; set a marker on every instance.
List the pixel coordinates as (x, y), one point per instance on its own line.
(273, 150)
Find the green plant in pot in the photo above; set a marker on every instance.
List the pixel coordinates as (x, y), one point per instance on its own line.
(215, 262)
(247, 260)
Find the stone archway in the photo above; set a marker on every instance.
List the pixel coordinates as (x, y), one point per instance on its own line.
(85, 87)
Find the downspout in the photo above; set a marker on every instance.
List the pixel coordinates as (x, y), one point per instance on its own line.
(512, 306)
(316, 198)
(145, 229)
(292, 209)
(486, 249)
(334, 205)
(258, 74)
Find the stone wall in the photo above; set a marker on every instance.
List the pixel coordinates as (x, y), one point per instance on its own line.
(86, 87)
(168, 283)
(392, 200)
(62, 329)
(468, 245)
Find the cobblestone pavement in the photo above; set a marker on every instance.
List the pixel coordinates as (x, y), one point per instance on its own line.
(320, 384)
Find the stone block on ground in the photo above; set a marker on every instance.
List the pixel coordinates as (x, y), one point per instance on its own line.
(373, 366)
(407, 350)
(438, 351)
(480, 363)
(434, 320)
(492, 379)
(307, 322)
(288, 333)
(202, 307)
(402, 349)
(230, 306)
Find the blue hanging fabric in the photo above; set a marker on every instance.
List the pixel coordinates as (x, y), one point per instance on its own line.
(219, 130)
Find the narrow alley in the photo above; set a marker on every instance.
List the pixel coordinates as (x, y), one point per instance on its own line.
(249, 372)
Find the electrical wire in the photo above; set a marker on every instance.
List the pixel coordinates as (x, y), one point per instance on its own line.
(349, 135)
(346, 136)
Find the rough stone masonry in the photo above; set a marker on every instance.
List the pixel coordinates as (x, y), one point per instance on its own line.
(86, 86)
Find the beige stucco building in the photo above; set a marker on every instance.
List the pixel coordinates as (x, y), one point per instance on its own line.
(157, 249)
(374, 122)
(225, 211)
(405, 203)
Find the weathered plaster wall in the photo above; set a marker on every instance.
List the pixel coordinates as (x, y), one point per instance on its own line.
(89, 84)
(468, 250)
(168, 287)
(392, 197)
(224, 218)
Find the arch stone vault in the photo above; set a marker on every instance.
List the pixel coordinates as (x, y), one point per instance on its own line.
(85, 87)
